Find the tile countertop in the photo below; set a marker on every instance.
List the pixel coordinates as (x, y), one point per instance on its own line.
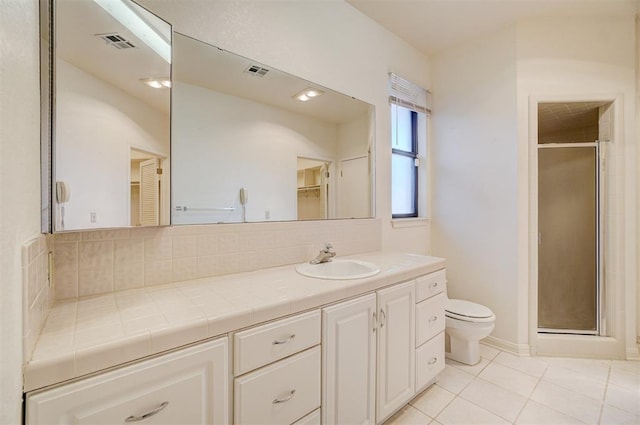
(84, 336)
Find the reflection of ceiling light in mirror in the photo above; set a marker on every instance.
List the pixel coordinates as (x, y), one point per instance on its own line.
(308, 94)
(128, 17)
(157, 83)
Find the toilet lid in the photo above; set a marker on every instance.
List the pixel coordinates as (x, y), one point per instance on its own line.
(466, 310)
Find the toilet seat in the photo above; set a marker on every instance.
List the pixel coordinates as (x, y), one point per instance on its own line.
(468, 311)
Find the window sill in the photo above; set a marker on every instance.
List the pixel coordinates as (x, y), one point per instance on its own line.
(399, 223)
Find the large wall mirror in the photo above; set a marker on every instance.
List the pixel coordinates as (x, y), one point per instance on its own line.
(112, 104)
(248, 142)
(251, 143)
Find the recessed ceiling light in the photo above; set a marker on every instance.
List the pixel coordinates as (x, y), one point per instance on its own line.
(308, 94)
(157, 83)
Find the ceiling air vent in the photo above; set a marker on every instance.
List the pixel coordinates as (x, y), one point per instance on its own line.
(116, 40)
(256, 70)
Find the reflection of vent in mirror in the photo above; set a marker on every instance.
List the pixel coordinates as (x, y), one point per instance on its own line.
(256, 70)
(116, 40)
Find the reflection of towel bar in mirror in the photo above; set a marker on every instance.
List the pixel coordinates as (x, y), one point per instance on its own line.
(185, 208)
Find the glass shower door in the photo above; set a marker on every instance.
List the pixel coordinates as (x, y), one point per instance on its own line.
(568, 239)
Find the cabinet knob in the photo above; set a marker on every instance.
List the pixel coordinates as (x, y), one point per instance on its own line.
(285, 399)
(433, 319)
(432, 361)
(433, 285)
(155, 411)
(284, 341)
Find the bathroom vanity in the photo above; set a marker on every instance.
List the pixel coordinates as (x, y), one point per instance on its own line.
(270, 346)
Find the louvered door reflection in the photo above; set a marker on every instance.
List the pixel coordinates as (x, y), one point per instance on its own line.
(149, 192)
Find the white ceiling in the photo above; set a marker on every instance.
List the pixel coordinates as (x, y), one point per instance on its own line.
(201, 64)
(434, 25)
(78, 24)
(196, 63)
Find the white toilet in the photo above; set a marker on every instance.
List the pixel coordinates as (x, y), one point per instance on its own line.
(466, 324)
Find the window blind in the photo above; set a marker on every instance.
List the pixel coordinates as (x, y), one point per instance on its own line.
(408, 95)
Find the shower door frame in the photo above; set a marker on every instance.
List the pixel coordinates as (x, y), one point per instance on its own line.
(617, 310)
(599, 257)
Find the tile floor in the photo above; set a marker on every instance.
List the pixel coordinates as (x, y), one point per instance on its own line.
(506, 389)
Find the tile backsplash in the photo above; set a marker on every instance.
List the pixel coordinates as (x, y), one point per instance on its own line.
(97, 262)
(37, 290)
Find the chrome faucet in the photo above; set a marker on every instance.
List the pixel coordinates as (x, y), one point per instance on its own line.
(325, 255)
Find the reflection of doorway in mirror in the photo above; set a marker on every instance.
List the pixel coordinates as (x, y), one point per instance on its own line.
(313, 189)
(353, 185)
(148, 189)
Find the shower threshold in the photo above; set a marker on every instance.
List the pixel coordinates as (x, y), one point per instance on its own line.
(567, 331)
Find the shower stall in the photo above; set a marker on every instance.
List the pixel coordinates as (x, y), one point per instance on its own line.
(571, 186)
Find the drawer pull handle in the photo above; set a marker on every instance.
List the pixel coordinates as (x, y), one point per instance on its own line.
(433, 360)
(433, 319)
(284, 400)
(147, 415)
(284, 341)
(433, 285)
(383, 318)
(375, 321)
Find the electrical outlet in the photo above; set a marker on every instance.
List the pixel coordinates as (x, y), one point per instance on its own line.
(93, 216)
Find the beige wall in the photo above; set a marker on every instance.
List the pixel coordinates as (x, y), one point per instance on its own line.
(482, 216)
(19, 183)
(564, 59)
(474, 155)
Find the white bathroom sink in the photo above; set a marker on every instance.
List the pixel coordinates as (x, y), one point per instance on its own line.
(339, 269)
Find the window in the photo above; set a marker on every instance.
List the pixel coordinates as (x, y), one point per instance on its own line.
(404, 162)
(408, 148)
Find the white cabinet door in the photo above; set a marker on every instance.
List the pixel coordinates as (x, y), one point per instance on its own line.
(349, 362)
(396, 348)
(190, 386)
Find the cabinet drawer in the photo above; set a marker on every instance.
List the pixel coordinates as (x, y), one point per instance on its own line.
(189, 386)
(429, 361)
(280, 393)
(265, 344)
(430, 285)
(430, 319)
(312, 418)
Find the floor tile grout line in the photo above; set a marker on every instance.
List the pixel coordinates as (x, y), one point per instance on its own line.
(459, 394)
(522, 371)
(528, 400)
(604, 395)
(530, 394)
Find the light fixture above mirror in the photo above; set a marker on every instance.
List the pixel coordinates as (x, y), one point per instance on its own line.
(308, 94)
(157, 83)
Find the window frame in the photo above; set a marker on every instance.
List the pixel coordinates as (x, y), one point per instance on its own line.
(409, 154)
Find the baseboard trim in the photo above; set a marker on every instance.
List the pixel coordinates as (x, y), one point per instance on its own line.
(633, 353)
(521, 350)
